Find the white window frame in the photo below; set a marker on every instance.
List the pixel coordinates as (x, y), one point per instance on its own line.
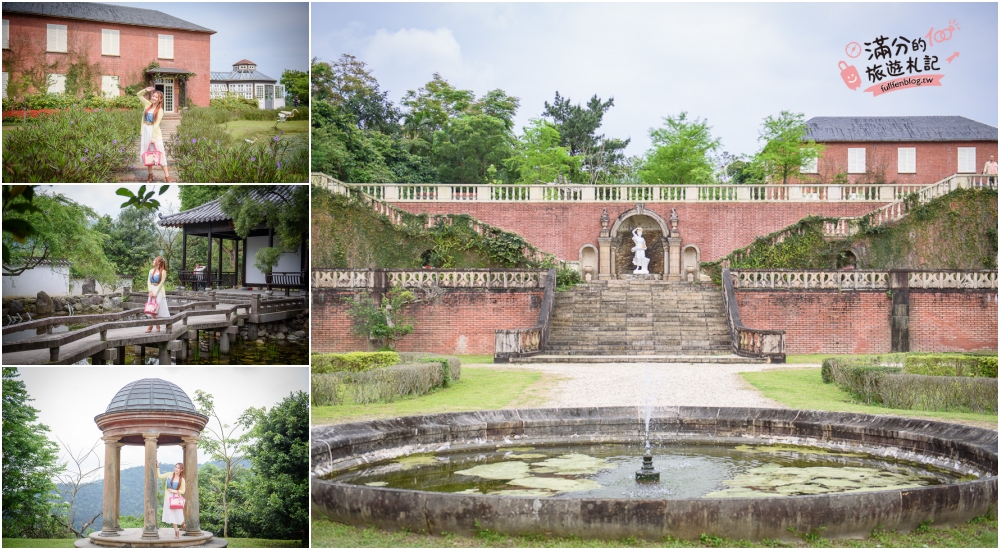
(258, 91)
(906, 160)
(110, 86)
(110, 42)
(58, 84)
(56, 38)
(855, 160)
(165, 46)
(6, 34)
(810, 166)
(967, 160)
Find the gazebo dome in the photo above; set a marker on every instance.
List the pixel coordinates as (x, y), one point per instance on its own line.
(151, 394)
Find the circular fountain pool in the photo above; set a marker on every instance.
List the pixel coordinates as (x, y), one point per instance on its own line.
(741, 473)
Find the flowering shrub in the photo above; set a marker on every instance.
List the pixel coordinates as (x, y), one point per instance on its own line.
(72, 145)
(232, 102)
(17, 116)
(63, 101)
(205, 153)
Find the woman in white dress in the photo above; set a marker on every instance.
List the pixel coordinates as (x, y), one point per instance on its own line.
(174, 486)
(157, 289)
(152, 114)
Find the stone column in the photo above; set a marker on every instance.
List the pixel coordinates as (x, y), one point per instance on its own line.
(192, 523)
(605, 264)
(673, 271)
(111, 489)
(116, 511)
(150, 529)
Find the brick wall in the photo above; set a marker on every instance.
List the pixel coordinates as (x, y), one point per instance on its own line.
(459, 322)
(859, 322)
(717, 229)
(138, 46)
(935, 160)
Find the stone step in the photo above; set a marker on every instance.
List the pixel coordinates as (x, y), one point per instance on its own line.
(633, 358)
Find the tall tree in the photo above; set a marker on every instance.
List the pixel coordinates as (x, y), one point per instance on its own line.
(285, 208)
(538, 157)
(296, 83)
(280, 457)
(29, 464)
(681, 152)
(349, 85)
(439, 101)
(785, 152)
(577, 126)
(72, 482)
(468, 146)
(221, 445)
(131, 243)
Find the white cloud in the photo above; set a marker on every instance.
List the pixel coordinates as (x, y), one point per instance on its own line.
(415, 51)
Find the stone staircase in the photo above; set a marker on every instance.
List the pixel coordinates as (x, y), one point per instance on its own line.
(639, 318)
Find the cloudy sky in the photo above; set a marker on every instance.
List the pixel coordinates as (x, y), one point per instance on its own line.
(68, 399)
(274, 35)
(732, 64)
(104, 201)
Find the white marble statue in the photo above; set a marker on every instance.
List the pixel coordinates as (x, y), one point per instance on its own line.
(640, 260)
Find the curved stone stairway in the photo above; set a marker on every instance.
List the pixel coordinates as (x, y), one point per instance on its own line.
(639, 321)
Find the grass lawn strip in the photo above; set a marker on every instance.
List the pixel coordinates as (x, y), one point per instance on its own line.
(978, 533)
(233, 543)
(802, 388)
(478, 389)
(243, 128)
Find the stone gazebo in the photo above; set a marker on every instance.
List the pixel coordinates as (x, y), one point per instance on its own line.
(150, 412)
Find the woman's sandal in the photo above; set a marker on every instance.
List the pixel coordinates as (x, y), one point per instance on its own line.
(150, 329)
(150, 178)
(167, 178)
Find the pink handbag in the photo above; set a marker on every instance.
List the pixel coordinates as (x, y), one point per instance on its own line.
(152, 157)
(152, 306)
(176, 502)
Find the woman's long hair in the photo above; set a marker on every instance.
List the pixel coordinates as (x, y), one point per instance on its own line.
(158, 104)
(159, 264)
(173, 475)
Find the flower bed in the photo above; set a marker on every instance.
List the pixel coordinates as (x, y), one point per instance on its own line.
(72, 145)
(204, 152)
(17, 116)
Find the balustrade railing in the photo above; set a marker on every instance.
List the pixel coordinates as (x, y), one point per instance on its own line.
(513, 343)
(858, 279)
(426, 278)
(749, 342)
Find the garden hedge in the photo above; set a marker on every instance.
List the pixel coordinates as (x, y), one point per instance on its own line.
(352, 362)
(952, 365)
(378, 385)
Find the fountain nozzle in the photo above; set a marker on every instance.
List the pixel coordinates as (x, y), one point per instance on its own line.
(647, 474)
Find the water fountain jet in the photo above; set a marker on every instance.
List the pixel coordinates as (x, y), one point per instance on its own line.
(647, 474)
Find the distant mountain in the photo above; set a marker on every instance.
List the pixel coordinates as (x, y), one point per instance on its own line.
(90, 499)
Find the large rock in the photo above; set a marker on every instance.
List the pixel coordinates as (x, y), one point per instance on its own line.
(116, 302)
(43, 303)
(16, 307)
(90, 286)
(107, 304)
(57, 305)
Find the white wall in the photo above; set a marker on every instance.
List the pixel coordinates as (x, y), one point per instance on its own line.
(76, 286)
(287, 262)
(54, 281)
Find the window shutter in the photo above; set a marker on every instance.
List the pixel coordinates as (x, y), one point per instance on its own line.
(967, 159)
(856, 160)
(6, 33)
(907, 160)
(51, 38)
(166, 46)
(61, 32)
(5, 85)
(109, 85)
(109, 42)
(810, 166)
(58, 85)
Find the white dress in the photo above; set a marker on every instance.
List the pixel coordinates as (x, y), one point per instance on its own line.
(161, 296)
(171, 515)
(147, 136)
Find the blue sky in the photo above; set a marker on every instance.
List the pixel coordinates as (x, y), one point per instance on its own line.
(732, 64)
(274, 35)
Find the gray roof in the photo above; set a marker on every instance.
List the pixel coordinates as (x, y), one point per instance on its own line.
(104, 12)
(151, 394)
(236, 75)
(898, 128)
(208, 212)
(168, 70)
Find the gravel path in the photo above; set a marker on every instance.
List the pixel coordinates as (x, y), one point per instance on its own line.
(627, 384)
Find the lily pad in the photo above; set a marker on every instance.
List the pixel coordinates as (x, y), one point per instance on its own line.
(526, 456)
(469, 491)
(524, 493)
(572, 464)
(771, 480)
(791, 449)
(377, 483)
(515, 448)
(559, 484)
(408, 462)
(509, 469)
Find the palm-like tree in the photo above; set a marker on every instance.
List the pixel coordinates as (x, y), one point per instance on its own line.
(418, 132)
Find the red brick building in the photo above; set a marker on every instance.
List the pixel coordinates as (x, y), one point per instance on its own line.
(904, 150)
(122, 41)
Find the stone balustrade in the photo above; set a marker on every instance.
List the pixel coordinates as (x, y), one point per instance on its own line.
(749, 342)
(859, 279)
(407, 192)
(514, 343)
(425, 278)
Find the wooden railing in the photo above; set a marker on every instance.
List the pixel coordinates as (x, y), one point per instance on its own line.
(749, 342)
(286, 279)
(796, 192)
(513, 343)
(859, 279)
(424, 278)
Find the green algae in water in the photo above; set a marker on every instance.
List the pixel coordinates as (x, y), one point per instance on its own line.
(792, 449)
(687, 471)
(410, 462)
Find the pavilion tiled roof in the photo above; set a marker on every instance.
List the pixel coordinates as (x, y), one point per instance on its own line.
(90, 11)
(898, 128)
(208, 212)
(244, 62)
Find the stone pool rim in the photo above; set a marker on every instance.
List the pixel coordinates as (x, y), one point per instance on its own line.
(335, 448)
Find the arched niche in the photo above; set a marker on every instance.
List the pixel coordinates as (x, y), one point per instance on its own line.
(588, 263)
(690, 263)
(655, 232)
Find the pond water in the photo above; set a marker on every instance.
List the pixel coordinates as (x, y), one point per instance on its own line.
(686, 471)
(25, 334)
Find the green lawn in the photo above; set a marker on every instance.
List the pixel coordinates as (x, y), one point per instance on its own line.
(802, 388)
(476, 359)
(479, 389)
(244, 128)
(978, 533)
(233, 543)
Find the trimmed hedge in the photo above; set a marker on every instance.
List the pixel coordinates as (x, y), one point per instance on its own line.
(62, 101)
(952, 365)
(375, 385)
(889, 387)
(454, 363)
(352, 362)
